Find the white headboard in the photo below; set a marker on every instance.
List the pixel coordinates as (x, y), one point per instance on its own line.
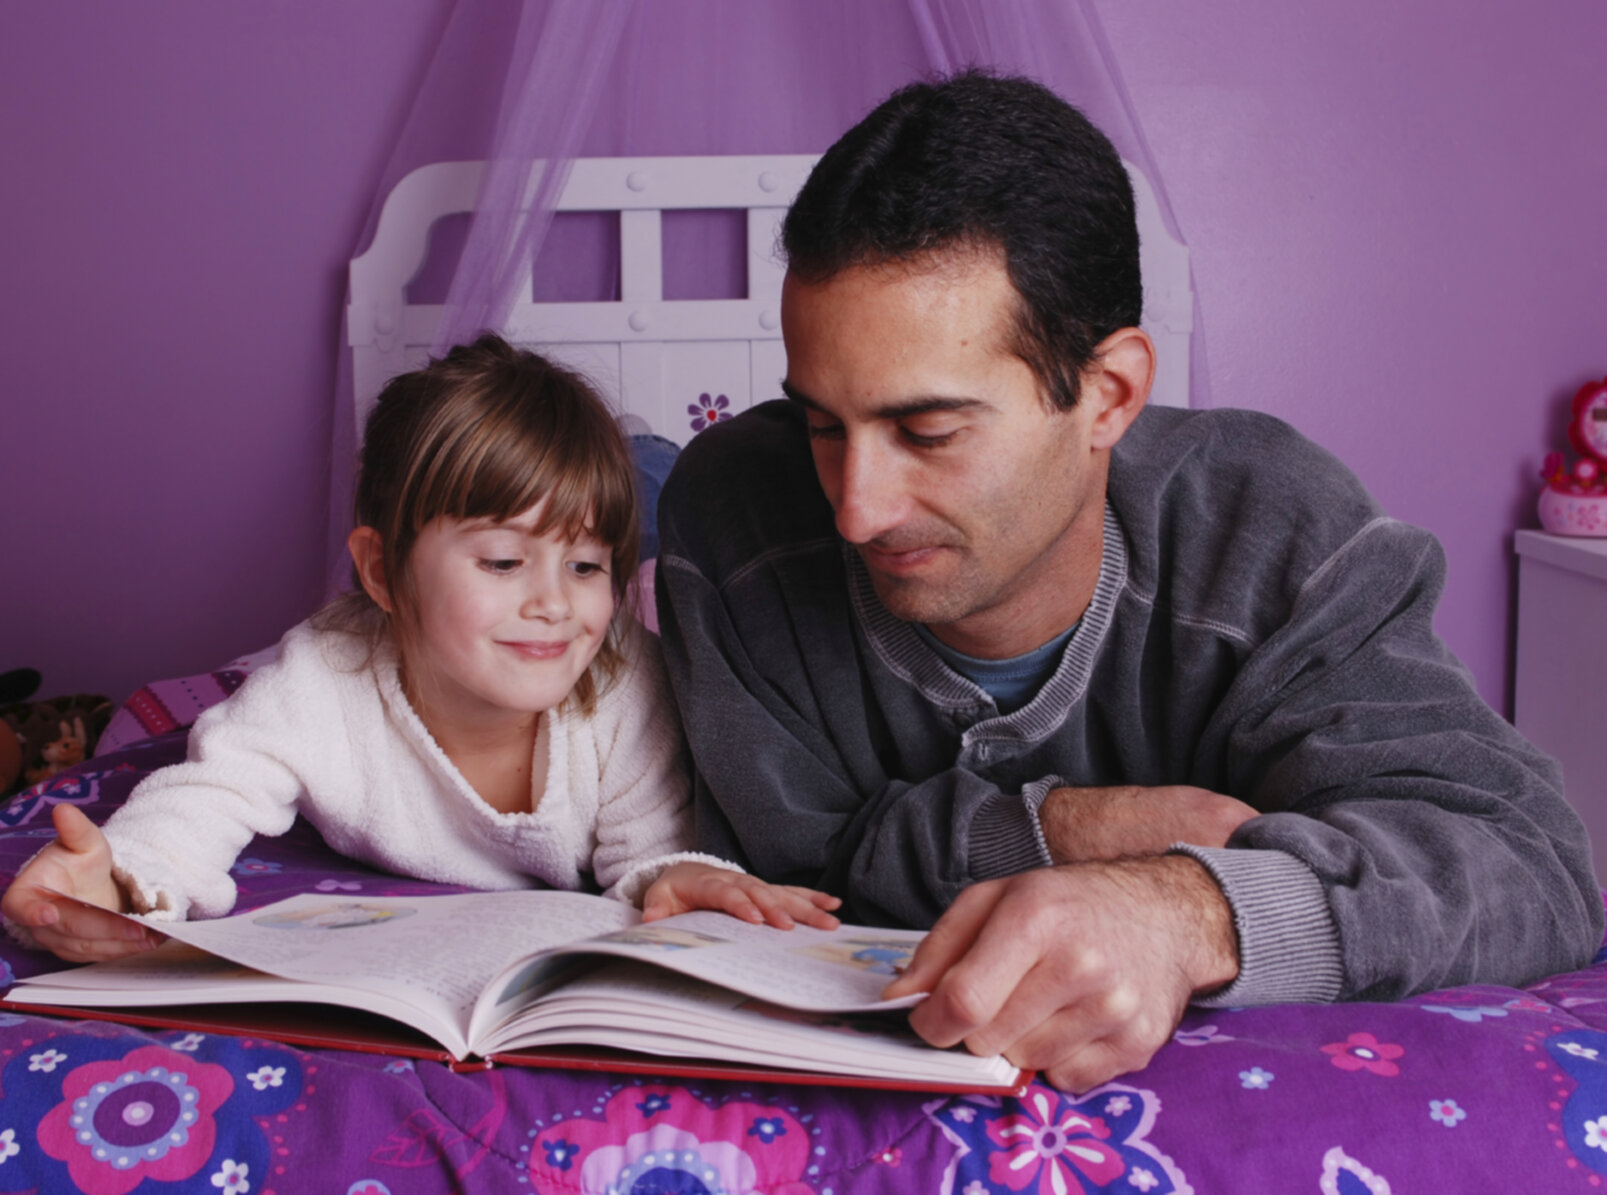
(654, 357)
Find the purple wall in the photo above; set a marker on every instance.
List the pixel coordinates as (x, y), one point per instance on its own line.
(1399, 239)
(180, 186)
(1396, 226)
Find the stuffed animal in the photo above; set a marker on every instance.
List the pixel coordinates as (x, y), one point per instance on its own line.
(41, 738)
(69, 746)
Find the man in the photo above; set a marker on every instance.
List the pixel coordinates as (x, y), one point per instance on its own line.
(1137, 706)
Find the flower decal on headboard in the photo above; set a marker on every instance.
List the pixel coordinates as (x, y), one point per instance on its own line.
(707, 411)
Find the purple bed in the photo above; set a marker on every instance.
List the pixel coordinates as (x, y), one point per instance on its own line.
(1475, 1088)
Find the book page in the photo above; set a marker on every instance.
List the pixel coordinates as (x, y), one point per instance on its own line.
(841, 970)
(436, 952)
(177, 974)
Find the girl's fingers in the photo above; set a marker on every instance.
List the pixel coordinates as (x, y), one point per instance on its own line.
(816, 918)
(740, 904)
(821, 900)
(802, 906)
(74, 830)
(768, 900)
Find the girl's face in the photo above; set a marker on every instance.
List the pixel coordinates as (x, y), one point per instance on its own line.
(508, 620)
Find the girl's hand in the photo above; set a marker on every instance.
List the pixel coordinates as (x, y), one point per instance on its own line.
(78, 865)
(688, 886)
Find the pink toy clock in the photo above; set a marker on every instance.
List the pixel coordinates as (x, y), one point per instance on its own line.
(1574, 502)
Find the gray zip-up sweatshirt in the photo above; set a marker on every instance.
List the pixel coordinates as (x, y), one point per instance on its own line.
(1259, 628)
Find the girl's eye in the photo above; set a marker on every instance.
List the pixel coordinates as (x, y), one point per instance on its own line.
(501, 568)
(587, 568)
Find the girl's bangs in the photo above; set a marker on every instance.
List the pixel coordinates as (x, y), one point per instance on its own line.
(502, 468)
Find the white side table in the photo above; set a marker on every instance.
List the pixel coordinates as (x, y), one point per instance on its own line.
(1560, 703)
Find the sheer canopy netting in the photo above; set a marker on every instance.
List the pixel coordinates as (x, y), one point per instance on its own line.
(529, 85)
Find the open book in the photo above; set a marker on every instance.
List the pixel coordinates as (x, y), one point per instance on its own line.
(510, 976)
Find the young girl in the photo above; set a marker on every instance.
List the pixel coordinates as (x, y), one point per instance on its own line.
(481, 710)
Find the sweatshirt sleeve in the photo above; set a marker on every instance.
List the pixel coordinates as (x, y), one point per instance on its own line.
(644, 820)
(176, 837)
(1439, 838)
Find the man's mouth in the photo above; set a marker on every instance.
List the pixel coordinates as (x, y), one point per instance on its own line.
(898, 560)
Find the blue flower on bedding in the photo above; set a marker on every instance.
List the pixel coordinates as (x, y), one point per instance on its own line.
(768, 1128)
(706, 412)
(655, 1103)
(560, 1154)
(1049, 1141)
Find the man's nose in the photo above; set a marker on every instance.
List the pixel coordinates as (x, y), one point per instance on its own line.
(870, 500)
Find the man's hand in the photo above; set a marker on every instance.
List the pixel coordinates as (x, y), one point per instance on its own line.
(1081, 972)
(78, 865)
(1084, 824)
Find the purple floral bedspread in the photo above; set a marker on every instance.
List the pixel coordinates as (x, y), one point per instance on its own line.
(1473, 1089)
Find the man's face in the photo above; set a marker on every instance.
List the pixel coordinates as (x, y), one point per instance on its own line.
(976, 508)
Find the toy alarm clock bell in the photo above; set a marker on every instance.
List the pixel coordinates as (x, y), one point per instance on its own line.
(1575, 502)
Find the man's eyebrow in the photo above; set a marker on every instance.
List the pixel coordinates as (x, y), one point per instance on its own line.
(898, 410)
(798, 396)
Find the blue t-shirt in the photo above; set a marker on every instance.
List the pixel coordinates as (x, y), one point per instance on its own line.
(1011, 683)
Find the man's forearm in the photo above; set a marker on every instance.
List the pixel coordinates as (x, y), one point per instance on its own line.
(1214, 961)
(1082, 825)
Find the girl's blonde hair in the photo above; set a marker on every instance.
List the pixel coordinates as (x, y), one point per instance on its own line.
(489, 431)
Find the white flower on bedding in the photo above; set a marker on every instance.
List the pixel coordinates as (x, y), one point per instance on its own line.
(47, 1061)
(8, 1145)
(1448, 1112)
(265, 1077)
(1596, 1133)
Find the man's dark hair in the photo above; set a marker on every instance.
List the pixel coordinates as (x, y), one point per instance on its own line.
(985, 161)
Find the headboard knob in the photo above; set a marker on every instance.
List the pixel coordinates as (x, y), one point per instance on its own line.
(636, 180)
(639, 321)
(769, 320)
(769, 180)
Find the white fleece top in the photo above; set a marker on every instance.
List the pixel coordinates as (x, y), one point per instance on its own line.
(326, 733)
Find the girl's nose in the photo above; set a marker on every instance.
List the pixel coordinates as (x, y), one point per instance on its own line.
(546, 599)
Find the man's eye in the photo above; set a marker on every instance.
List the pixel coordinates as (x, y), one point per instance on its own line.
(926, 439)
(501, 568)
(825, 431)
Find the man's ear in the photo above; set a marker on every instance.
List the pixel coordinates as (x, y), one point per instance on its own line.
(1118, 383)
(368, 555)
